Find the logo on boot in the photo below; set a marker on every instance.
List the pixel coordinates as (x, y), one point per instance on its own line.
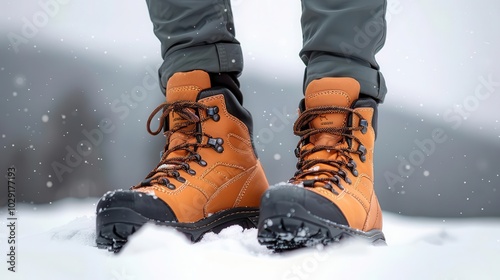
(324, 120)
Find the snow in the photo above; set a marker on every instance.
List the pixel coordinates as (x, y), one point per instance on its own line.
(57, 242)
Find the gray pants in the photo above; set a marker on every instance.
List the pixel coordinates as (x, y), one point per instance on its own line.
(340, 39)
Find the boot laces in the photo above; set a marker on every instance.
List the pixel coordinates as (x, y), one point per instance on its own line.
(336, 165)
(169, 167)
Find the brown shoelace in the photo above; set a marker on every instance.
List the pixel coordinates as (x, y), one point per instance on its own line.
(169, 167)
(331, 176)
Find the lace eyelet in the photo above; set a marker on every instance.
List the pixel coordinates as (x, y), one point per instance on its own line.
(352, 167)
(297, 152)
(216, 143)
(347, 180)
(335, 179)
(185, 166)
(180, 179)
(362, 150)
(165, 181)
(364, 124)
(328, 186)
(343, 175)
(213, 113)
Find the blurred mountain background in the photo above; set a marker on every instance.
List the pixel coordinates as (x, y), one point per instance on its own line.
(78, 82)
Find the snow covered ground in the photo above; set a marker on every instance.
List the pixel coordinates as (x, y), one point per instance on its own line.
(56, 241)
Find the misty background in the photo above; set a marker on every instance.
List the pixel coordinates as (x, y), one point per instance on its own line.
(78, 82)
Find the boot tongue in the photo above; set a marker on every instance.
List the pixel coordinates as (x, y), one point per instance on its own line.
(184, 86)
(340, 92)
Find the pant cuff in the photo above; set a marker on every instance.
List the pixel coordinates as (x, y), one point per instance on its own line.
(214, 58)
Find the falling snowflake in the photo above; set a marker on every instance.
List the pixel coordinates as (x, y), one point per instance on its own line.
(19, 80)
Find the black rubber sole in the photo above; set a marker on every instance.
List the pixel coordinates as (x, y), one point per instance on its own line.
(290, 226)
(115, 225)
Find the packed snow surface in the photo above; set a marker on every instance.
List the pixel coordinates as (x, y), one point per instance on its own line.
(56, 241)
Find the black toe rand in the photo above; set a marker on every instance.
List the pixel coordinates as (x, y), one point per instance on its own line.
(148, 206)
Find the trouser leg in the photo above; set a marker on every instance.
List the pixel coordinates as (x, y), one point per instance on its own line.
(341, 38)
(195, 34)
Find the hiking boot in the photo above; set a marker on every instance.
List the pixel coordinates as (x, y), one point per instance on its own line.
(208, 177)
(331, 195)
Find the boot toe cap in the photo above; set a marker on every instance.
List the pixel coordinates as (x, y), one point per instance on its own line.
(312, 202)
(149, 206)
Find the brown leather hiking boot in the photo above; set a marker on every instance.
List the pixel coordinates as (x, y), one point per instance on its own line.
(331, 195)
(208, 177)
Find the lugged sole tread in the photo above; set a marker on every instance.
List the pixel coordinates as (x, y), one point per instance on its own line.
(279, 230)
(114, 226)
(283, 233)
